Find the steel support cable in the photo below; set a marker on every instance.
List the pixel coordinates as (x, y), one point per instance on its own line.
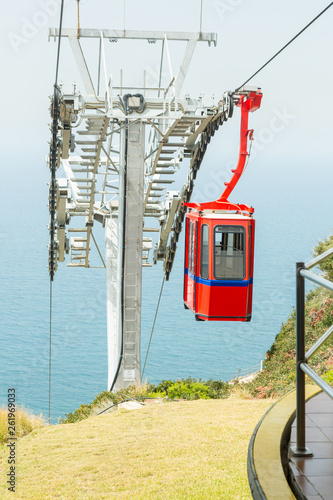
(285, 46)
(50, 352)
(161, 66)
(152, 330)
(78, 19)
(60, 28)
(122, 306)
(53, 166)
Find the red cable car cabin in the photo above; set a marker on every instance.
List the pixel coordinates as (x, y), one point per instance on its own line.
(219, 266)
(219, 247)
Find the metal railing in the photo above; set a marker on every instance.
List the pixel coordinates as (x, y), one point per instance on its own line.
(302, 357)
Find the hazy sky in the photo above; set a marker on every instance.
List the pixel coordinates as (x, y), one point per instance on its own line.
(295, 119)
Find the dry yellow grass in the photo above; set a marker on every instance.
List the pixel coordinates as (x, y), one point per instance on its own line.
(185, 450)
(25, 422)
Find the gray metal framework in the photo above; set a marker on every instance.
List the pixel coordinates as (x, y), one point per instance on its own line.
(302, 357)
(118, 153)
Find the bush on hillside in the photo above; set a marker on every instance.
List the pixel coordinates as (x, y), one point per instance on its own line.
(327, 265)
(25, 423)
(192, 388)
(106, 399)
(189, 389)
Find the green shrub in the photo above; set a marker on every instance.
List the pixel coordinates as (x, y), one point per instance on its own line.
(192, 388)
(189, 389)
(327, 265)
(183, 390)
(328, 377)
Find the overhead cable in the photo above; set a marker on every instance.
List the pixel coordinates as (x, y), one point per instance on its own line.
(285, 46)
(53, 161)
(60, 28)
(152, 330)
(50, 351)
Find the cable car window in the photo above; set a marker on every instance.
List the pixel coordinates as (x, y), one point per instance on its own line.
(250, 263)
(193, 270)
(189, 239)
(204, 251)
(190, 247)
(229, 252)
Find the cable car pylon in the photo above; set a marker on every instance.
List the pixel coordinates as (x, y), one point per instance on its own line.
(219, 251)
(118, 148)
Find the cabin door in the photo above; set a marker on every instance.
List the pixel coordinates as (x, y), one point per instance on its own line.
(192, 262)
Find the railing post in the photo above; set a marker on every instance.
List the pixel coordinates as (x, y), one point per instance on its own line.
(300, 448)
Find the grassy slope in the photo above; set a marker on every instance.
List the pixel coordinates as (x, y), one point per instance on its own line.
(190, 449)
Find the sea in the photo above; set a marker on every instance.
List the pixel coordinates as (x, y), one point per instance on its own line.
(292, 201)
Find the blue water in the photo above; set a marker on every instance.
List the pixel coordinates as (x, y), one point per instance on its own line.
(293, 213)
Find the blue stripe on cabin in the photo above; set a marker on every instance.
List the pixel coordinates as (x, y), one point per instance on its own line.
(241, 283)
